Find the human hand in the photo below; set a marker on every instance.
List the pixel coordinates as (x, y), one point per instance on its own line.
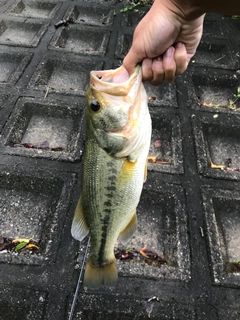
(164, 42)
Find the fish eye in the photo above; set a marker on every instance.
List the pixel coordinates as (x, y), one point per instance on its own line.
(95, 105)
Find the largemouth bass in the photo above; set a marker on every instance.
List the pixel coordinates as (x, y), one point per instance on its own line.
(118, 134)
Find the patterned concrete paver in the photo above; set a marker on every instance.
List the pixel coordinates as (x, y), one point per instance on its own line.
(189, 211)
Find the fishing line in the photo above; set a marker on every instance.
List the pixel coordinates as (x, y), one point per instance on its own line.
(79, 282)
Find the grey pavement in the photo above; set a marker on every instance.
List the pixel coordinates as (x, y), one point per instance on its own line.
(190, 206)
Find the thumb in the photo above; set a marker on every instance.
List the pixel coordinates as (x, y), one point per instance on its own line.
(131, 61)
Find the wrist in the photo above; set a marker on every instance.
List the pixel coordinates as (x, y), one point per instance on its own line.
(185, 9)
(192, 9)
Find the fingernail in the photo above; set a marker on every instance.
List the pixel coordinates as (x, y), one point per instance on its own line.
(169, 52)
(179, 45)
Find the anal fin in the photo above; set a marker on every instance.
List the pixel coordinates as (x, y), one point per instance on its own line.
(129, 230)
(79, 228)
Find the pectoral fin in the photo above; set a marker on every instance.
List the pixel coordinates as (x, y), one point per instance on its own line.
(79, 228)
(130, 229)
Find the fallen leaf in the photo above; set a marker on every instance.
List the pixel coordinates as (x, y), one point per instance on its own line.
(215, 166)
(150, 254)
(157, 143)
(21, 240)
(151, 98)
(20, 246)
(44, 145)
(32, 246)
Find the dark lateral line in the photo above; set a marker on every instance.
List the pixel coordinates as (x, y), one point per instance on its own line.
(103, 241)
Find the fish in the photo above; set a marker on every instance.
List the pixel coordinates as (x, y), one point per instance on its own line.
(114, 168)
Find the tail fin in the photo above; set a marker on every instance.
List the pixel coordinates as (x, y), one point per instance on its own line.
(96, 277)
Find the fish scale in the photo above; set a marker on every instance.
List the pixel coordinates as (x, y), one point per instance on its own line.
(114, 168)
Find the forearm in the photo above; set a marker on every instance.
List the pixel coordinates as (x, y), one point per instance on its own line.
(191, 9)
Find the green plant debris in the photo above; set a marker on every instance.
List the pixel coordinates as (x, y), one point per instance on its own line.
(215, 116)
(235, 17)
(231, 104)
(133, 5)
(236, 261)
(21, 245)
(18, 244)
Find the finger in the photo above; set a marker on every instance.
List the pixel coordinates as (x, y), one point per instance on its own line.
(132, 59)
(158, 72)
(169, 65)
(147, 73)
(180, 57)
(128, 63)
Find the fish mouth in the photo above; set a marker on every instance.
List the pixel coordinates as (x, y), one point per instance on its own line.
(121, 95)
(115, 82)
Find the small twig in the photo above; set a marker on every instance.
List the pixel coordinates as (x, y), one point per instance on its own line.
(47, 90)
(201, 231)
(220, 58)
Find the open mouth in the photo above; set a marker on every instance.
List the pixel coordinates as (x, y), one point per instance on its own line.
(119, 75)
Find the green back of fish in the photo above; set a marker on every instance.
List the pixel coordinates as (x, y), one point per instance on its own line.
(111, 188)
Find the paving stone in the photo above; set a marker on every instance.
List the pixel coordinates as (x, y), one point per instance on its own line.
(212, 28)
(45, 129)
(229, 314)
(215, 53)
(124, 41)
(33, 206)
(222, 223)
(12, 65)
(214, 91)
(161, 227)
(164, 96)
(2, 2)
(126, 308)
(2, 99)
(91, 14)
(6, 105)
(130, 18)
(166, 143)
(34, 9)
(19, 303)
(67, 75)
(21, 33)
(217, 26)
(234, 24)
(84, 40)
(217, 140)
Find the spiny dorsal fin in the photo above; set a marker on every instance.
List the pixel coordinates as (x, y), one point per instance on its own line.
(79, 228)
(130, 229)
